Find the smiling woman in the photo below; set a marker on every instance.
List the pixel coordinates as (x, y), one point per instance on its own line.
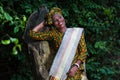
(69, 44)
(59, 22)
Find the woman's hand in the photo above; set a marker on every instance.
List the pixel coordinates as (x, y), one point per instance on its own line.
(72, 71)
(39, 26)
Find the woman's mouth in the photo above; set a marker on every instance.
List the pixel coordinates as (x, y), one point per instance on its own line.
(60, 23)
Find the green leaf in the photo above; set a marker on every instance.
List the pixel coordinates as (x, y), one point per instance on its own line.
(5, 42)
(7, 16)
(100, 44)
(1, 9)
(24, 18)
(19, 47)
(14, 51)
(16, 29)
(14, 40)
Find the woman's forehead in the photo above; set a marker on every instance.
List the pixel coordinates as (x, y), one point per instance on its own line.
(56, 15)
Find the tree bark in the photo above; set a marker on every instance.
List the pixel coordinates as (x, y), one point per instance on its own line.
(40, 52)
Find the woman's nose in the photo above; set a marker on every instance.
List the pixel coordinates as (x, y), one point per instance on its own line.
(59, 19)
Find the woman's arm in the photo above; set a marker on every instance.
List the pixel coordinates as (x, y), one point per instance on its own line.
(82, 49)
(41, 35)
(38, 27)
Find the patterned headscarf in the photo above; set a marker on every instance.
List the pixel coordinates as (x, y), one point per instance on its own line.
(53, 11)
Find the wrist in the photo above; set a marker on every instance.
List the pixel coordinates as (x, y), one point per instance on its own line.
(76, 64)
(38, 27)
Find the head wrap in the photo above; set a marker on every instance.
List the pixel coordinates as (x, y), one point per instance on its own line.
(53, 11)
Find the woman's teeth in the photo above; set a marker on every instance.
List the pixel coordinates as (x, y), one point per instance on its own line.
(61, 23)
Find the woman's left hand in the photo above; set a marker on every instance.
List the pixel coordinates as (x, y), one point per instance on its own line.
(72, 71)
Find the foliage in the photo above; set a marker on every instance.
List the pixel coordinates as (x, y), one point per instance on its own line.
(100, 19)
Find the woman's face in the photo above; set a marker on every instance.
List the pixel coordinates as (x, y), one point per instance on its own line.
(59, 21)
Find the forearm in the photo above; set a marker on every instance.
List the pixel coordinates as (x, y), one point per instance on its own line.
(78, 62)
(38, 27)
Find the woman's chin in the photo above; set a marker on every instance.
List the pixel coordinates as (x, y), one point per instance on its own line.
(62, 26)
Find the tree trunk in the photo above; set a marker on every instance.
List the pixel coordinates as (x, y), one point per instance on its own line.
(40, 52)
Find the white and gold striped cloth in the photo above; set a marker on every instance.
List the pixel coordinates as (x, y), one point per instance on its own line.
(65, 54)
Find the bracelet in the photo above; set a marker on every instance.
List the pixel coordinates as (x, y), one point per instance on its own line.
(76, 64)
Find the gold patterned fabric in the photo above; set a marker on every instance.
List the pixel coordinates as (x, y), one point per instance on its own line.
(55, 36)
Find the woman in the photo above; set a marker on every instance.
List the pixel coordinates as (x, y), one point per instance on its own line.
(55, 35)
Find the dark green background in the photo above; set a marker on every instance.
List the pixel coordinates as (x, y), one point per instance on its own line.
(99, 18)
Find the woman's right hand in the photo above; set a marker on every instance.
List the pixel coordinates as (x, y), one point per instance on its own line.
(39, 26)
(72, 71)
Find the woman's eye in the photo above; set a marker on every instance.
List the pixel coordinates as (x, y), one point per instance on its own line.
(60, 17)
